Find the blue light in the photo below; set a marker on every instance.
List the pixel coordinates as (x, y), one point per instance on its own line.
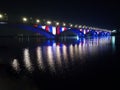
(60, 29)
(50, 29)
(39, 26)
(108, 34)
(113, 43)
(37, 30)
(77, 37)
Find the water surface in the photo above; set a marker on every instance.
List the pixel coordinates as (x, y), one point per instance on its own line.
(34, 64)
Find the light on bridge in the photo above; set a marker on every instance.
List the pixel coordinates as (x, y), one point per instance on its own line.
(64, 24)
(24, 19)
(37, 21)
(76, 26)
(49, 22)
(1, 16)
(84, 26)
(71, 25)
(114, 31)
(80, 26)
(57, 23)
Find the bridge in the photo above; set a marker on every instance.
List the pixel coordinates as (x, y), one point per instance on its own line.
(57, 29)
(53, 29)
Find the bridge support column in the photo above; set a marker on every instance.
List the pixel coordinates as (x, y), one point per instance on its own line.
(58, 30)
(47, 28)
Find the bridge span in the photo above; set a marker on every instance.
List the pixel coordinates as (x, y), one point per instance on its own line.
(51, 32)
(51, 29)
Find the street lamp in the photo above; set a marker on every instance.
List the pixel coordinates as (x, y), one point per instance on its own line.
(76, 26)
(37, 21)
(71, 25)
(49, 22)
(24, 19)
(114, 31)
(80, 26)
(57, 23)
(64, 24)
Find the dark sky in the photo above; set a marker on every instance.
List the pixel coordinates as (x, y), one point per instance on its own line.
(104, 14)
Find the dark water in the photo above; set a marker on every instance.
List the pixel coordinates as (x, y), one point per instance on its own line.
(34, 64)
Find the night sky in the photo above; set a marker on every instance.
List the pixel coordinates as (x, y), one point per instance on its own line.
(103, 14)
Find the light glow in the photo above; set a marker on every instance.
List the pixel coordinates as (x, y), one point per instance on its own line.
(76, 26)
(15, 65)
(80, 26)
(64, 24)
(1, 16)
(27, 61)
(49, 22)
(38, 21)
(24, 19)
(71, 25)
(58, 55)
(43, 27)
(39, 58)
(54, 30)
(57, 23)
(50, 58)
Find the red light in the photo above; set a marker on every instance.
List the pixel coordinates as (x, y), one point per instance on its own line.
(35, 25)
(47, 28)
(57, 30)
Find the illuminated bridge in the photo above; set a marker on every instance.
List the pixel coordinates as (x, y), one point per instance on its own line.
(57, 29)
(53, 29)
(71, 31)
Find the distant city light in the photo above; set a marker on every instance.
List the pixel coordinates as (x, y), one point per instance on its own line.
(1, 16)
(24, 19)
(49, 22)
(38, 21)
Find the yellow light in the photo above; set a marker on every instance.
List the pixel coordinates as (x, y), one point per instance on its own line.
(49, 22)
(1, 16)
(24, 19)
(37, 20)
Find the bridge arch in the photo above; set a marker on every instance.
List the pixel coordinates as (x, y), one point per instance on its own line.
(72, 32)
(92, 33)
(37, 30)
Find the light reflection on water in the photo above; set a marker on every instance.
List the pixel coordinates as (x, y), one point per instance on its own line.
(15, 65)
(50, 58)
(39, 58)
(27, 60)
(58, 56)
